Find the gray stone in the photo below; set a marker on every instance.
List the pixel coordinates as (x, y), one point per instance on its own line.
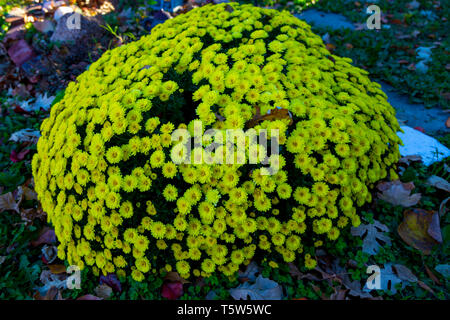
(325, 19)
(416, 115)
(74, 27)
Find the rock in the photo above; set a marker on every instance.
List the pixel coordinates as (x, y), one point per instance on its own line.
(20, 52)
(416, 114)
(61, 11)
(44, 26)
(15, 33)
(49, 5)
(14, 21)
(17, 12)
(35, 67)
(74, 27)
(325, 19)
(418, 143)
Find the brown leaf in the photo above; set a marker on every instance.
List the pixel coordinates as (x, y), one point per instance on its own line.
(57, 268)
(29, 215)
(175, 277)
(47, 236)
(396, 21)
(432, 276)
(404, 273)
(52, 294)
(425, 286)
(274, 114)
(348, 46)
(439, 183)
(420, 229)
(103, 291)
(330, 47)
(442, 207)
(294, 272)
(28, 193)
(398, 193)
(447, 123)
(339, 294)
(8, 202)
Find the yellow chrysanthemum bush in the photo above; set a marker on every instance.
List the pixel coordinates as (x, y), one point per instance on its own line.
(105, 170)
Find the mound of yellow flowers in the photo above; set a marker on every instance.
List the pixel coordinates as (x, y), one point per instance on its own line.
(118, 203)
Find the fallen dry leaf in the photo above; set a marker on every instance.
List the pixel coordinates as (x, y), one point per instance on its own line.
(374, 235)
(432, 276)
(52, 294)
(439, 183)
(175, 277)
(9, 202)
(47, 236)
(443, 207)
(404, 273)
(294, 272)
(398, 193)
(57, 268)
(420, 229)
(103, 291)
(28, 193)
(274, 114)
(262, 289)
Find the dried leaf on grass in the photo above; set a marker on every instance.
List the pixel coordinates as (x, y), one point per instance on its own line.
(293, 270)
(432, 275)
(47, 236)
(52, 294)
(112, 281)
(50, 280)
(57, 268)
(25, 135)
(274, 114)
(9, 202)
(103, 291)
(262, 289)
(439, 183)
(175, 277)
(404, 273)
(443, 207)
(374, 234)
(398, 193)
(420, 229)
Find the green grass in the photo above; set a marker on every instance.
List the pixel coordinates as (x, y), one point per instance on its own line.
(379, 51)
